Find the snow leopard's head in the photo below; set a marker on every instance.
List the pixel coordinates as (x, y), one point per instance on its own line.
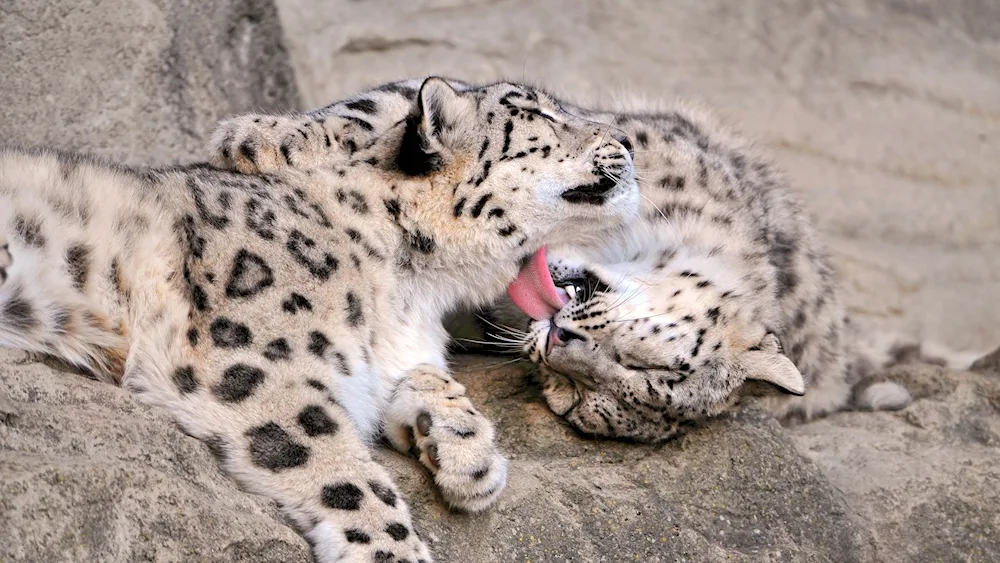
(636, 348)
(488, 175)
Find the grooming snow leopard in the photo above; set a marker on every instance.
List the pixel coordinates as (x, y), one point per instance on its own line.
(287, 319)
(722, 284)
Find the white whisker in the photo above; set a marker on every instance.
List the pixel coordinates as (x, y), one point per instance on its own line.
(508, 329)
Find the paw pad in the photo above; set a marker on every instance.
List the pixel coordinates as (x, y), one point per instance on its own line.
(6, 260)
(424, 423)
(432, 456)
(457, 445)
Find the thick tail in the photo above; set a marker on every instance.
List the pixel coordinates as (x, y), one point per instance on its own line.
(43, 305)
(80, 242)
(872, 390)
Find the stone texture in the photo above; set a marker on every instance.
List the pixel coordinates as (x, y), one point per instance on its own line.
(735, 490)
(87, 474)
(886, 115)
(143, 81)
(917, 485)
(924, 480)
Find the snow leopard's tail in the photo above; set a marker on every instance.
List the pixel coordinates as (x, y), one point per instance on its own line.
(60, 290)
(86, 257)
(872, 390)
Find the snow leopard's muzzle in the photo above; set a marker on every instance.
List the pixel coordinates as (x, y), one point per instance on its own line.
(613, 173)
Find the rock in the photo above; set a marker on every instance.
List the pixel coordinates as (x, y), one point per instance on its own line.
(88, 474)
(924, 479)
(734, 490)
(91, 475)
(989, 363)
(143, 81)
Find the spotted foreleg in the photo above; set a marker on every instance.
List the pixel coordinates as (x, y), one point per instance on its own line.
(430, 413)
(296, 445)
(257, 143)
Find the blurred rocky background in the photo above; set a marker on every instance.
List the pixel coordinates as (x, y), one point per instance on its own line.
(885, 114)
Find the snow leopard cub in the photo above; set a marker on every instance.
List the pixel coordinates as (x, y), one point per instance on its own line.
(720, 291)
(289, 319)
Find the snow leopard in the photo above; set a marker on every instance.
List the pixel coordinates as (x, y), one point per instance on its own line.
(722, 291)
(291, 319)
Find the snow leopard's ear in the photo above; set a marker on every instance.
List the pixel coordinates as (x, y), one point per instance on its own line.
(766, 363)
(431, 128)
(441, 107)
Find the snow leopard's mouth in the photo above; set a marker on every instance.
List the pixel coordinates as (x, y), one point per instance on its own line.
(533, 291)
(594, 194)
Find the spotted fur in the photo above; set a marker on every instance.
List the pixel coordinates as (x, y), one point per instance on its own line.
(289, 318)
(722, 289)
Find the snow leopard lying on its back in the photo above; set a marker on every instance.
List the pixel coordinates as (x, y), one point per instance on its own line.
(288, 319)
(722, 290)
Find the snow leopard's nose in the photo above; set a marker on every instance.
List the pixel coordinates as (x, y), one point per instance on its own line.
(627, 143)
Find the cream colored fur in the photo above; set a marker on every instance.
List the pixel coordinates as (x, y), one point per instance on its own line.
(288, 319)
(713, 207)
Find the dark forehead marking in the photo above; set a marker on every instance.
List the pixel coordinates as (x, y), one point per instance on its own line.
(511, 94)
(508, 128)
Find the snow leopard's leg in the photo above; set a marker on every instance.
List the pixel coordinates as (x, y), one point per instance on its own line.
(283, 434)
(430, 413)
(256, 143)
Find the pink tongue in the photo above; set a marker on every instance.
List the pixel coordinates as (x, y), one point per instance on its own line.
(533, 291)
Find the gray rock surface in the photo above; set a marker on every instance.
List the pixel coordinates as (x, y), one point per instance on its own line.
(886, 115)
(141, 81)
(734, 490)
(87, 474)
(924, 480)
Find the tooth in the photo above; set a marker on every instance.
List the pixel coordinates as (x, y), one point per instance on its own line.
(570, 290)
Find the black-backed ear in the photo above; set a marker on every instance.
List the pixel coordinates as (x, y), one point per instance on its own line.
(438, 108)
(766, 363)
